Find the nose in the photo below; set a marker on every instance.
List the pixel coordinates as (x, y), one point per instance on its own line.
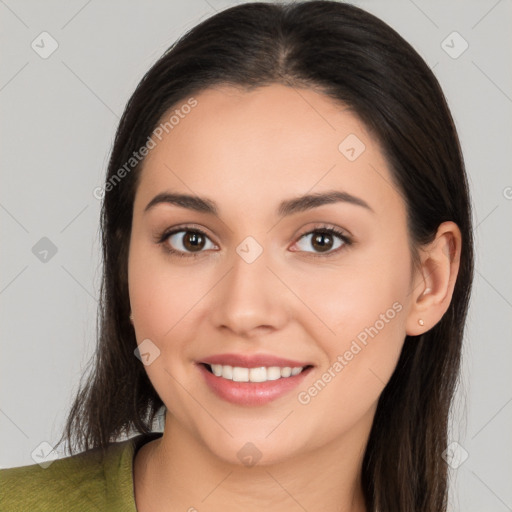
(250, 300)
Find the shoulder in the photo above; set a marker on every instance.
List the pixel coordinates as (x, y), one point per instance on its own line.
(91, 480)
(69, 480)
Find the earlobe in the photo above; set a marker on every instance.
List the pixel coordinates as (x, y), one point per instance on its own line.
(435, 279)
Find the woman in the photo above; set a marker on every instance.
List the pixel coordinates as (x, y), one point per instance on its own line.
(287, 268)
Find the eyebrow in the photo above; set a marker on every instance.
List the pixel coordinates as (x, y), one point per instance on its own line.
(287, 207)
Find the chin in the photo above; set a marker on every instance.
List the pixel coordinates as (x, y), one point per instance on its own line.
(251, 450)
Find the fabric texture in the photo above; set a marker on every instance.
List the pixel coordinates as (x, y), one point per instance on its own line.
(85, 482)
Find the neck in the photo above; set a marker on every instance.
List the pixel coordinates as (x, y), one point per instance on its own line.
(178, 472)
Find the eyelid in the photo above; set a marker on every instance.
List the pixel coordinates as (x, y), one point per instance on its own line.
(319, 226)
(344, 235)
(166, 233)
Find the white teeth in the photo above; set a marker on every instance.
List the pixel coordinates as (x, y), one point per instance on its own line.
(227, 372)
(259, 374)
(240, 374)
(217, 369)
(286, 372)
(273, 373)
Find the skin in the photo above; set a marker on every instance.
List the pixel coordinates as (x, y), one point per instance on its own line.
(248, 152)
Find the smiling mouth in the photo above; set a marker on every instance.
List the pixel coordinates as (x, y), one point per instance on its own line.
(257, 374)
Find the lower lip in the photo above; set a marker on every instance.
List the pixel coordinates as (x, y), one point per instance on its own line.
(251, 393)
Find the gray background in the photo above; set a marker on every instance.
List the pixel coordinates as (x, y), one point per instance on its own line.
(58, 119)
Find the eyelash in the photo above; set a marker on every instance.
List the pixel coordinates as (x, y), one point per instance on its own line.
(328, 230)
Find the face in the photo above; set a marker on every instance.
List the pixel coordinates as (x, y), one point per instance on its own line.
(253, 282)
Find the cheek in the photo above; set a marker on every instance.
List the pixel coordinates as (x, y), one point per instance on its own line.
(364, 308)
(161, 294)
(350, 297)
(162, 298)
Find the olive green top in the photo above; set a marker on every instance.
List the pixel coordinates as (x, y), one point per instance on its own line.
(83, 482)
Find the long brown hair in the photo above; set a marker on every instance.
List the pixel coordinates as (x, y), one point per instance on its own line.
(358, 60)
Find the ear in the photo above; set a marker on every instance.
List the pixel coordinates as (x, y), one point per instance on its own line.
(435, 280)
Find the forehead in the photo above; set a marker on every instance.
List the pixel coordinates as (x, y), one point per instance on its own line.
(269, 143)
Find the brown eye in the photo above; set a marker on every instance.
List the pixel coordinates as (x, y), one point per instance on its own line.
(193, 241)
(324, 240)
(188, 241)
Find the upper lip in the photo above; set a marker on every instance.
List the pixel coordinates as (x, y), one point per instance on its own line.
(252, 360)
